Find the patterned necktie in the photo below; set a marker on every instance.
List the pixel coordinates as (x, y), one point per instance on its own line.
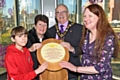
(61, 29)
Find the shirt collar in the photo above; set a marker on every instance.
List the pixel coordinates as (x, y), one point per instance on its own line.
(65, 25)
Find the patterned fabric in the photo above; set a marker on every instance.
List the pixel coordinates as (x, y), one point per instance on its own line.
(103, 67)
(2, 54)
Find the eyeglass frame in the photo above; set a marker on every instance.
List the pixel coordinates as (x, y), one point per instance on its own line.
(93, 1)
(62, 12)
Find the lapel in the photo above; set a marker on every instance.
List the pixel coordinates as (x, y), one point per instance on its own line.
(33, 36)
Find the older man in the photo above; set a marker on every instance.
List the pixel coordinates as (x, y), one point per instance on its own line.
(70, 33)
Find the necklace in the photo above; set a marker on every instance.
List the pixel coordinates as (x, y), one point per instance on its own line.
(61, 35)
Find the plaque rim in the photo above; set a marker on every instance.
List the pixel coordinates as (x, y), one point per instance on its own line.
(52, 66)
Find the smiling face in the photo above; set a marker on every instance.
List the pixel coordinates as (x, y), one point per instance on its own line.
(41, 27)
(90, 19)
(61, 14)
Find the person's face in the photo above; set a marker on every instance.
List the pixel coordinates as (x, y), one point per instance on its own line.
(20, 40)
(41, 27)
(61, 14)
(90, 20)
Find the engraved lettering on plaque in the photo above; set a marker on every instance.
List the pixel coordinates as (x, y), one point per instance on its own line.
(52, 52)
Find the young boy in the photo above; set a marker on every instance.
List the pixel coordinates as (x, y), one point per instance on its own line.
(18, 61)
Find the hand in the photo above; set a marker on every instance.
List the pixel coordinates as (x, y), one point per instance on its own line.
(68, 65)
(68, 46)
(34, 47)
(41, 68)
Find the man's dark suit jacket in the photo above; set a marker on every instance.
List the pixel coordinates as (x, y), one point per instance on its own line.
(73, 36)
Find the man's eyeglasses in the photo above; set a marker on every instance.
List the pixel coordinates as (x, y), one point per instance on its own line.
(94, 1)
(62, 12)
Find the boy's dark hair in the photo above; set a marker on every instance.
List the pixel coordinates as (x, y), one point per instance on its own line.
(20, 30)
(41, 17)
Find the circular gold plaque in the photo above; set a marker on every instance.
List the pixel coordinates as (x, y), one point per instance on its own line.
(52, 52)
